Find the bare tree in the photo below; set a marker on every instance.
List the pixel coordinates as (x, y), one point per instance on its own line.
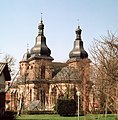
(105, 59)
(11, 63)
(10, 60)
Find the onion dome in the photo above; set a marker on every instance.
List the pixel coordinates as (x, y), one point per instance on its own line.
(78, 51)
(26, 56)
(40, 48)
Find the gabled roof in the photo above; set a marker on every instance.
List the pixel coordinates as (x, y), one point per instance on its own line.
(5, 70)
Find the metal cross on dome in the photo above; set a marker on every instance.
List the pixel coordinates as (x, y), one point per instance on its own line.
(41, 16)
(78, 21)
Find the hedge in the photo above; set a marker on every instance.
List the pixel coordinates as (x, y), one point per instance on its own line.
(66, 107)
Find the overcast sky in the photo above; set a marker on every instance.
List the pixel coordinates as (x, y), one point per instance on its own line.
(19, 21)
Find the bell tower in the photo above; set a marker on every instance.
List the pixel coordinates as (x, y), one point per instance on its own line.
(36, 67)
(78, 58)
(40, 60)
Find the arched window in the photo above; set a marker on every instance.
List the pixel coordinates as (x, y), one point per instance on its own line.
(42, 72)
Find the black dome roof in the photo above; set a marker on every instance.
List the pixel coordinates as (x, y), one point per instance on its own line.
(40, 48)
(78, 49)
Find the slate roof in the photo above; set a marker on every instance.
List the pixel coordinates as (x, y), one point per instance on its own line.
(67, 74)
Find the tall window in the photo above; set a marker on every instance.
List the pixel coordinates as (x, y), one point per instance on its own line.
(30, 95)
(42, 72)
(42, 93)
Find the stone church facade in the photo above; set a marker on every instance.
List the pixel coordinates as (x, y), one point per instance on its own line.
(41, 81)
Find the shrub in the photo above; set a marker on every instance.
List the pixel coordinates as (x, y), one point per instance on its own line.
(66, 107)
(8, 115)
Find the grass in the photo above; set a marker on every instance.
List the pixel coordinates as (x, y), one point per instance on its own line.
(57, 117)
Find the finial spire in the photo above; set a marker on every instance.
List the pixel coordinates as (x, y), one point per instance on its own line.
(41, 17)
(41, 26)
(27, 55)
(78, 21)
(27, 47)
(78, 31)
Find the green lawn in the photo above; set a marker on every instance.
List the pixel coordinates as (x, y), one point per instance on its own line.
(57, 117)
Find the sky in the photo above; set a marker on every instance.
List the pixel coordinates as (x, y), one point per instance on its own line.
(19, 24)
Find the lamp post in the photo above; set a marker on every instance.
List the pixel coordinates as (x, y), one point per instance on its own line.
(78, 94)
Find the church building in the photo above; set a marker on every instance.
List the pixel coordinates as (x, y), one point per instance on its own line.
(41, 81)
